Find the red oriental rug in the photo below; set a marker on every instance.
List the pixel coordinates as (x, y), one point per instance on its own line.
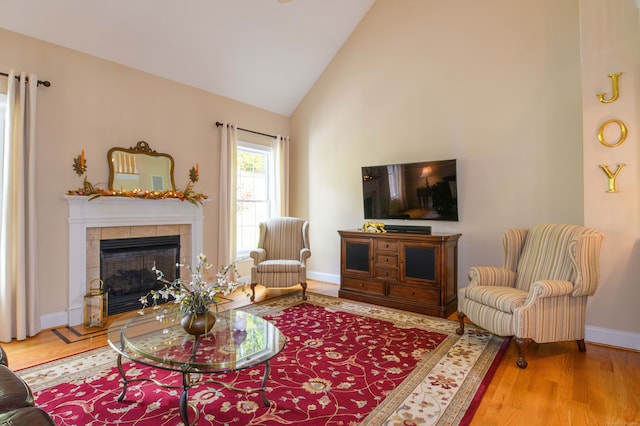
(345, 363)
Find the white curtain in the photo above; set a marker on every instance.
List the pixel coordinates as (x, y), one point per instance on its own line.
(227, 199)
(282, 175)
(19, 309)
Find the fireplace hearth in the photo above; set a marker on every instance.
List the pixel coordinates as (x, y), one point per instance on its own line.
(126, 268)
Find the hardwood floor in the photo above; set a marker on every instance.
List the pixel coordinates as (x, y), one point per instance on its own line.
(561, 386)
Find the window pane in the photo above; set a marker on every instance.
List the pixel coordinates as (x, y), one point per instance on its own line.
(246, 231)
(250, 214)
(253, 162)
(252, 176)
(252, 187)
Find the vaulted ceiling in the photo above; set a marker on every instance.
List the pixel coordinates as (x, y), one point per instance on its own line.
(266, 53)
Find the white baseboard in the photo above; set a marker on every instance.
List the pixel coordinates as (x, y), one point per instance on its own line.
(609, 337)
(321, 276)
(56, 319)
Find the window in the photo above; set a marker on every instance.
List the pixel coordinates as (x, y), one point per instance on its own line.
(255, 186)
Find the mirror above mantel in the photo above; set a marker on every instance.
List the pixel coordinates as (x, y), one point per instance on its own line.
(140, 168)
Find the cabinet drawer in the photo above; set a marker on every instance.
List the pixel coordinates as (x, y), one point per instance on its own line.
(386, 245)
(390, 274)
(387, 260)
(363, 286)
(415, 293)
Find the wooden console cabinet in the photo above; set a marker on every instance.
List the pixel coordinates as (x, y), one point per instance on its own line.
(414, 272)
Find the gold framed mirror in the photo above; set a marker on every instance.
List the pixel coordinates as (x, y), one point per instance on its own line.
(140, 168)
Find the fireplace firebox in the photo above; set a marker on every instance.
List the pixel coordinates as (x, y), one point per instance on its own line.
(125, 268)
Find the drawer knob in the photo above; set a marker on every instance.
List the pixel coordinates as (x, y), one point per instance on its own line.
(413, 293)
(361, 284)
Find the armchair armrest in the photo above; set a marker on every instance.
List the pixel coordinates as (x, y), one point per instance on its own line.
(492, 275)
(258, 255)
(305, 253)
(549, 288)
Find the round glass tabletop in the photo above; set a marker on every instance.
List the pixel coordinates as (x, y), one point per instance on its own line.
(156, 338)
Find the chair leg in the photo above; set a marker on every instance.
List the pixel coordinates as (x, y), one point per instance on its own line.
(522, 346)
(253, 291)
(304, 291)
(460, 330)
(581, 346)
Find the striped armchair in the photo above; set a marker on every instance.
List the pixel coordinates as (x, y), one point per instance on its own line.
(281, 257)
(541, 292)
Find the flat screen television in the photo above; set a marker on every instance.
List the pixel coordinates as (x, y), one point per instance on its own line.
(425, 190)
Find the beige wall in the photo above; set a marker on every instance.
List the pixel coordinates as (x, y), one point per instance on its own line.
(94, 105)
(434, 80)
(610, 44)
(495, 84)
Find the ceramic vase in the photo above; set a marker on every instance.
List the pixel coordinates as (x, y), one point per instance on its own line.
(196, 323)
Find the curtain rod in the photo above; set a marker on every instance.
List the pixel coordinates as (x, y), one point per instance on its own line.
(218, 124)
(45, 83)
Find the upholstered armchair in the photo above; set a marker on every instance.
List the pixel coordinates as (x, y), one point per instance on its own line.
(540, 294)
(281, 257)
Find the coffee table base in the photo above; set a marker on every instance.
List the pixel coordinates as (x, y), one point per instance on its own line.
(188, 383)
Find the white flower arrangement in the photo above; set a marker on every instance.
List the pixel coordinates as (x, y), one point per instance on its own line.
(197, 295)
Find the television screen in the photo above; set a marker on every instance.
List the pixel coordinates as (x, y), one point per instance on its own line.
(416, 191)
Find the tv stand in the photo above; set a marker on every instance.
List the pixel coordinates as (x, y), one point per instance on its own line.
(411, 271)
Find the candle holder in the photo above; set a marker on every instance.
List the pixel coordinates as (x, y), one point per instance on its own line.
(194, 174)
(80, 164)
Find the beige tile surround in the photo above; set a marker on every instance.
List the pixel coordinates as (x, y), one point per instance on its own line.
(94, 235)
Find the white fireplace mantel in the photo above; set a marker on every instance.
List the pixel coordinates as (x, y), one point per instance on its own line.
(119, 211)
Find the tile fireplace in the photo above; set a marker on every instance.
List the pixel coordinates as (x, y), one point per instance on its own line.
(108, 218)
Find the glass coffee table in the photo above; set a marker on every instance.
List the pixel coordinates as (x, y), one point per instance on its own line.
(156, 339)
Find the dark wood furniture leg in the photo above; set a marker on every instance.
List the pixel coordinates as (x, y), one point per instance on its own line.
(522, 346)
(460, 330)
(581, 346)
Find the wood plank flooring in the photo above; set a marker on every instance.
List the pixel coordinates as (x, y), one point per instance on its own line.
(561, 386)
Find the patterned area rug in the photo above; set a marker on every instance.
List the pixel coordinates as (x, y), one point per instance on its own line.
(345, 363)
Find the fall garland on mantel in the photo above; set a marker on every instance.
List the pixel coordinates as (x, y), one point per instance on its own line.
(88, 189)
